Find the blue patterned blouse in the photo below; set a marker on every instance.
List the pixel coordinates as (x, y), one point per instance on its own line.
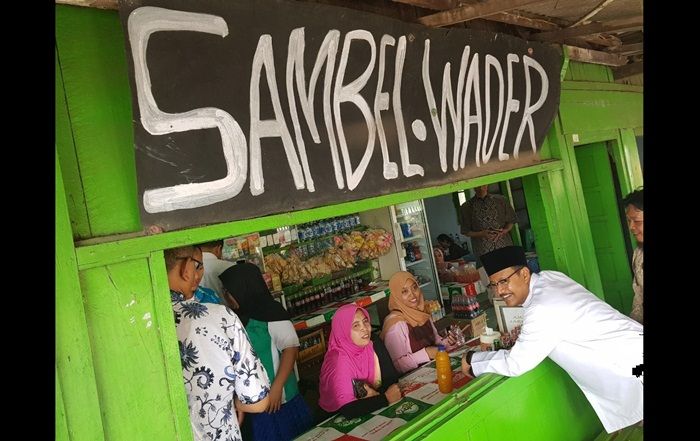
(218, 363)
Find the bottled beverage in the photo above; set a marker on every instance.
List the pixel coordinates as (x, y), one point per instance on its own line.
(335, 293)
(444, 370)
(344, 289)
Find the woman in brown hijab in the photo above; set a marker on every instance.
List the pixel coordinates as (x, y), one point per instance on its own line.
(408, 333)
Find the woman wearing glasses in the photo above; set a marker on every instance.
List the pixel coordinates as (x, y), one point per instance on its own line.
(408, 332)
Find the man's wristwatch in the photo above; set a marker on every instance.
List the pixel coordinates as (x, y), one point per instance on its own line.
(468, 356)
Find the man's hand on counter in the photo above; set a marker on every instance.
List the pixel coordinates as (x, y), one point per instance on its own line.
(431, 351)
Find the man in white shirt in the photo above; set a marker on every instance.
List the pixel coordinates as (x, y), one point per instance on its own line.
(595, 344)
(214, 265)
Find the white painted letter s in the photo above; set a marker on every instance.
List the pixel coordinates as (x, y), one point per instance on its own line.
(142, 23)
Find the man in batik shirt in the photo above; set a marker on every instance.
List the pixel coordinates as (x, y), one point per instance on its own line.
(222, 373)
(487, 219)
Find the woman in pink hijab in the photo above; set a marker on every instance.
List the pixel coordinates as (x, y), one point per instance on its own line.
(357, 375)
(408, 332)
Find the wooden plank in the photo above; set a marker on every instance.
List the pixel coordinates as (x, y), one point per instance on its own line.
(74, 361)
(607, 40)
(92, 56)
(592, 12)
(135, 352)
(595, 57)
(598, 86)
(65, 146)
(112, 249)
(628, 24)
(594, 111)
(60, 423)
(439, 5)
(99, 4)
(509, 17)
(163, 314)
(515, 18)
(470, 12)
(628, 70)
(627, 49)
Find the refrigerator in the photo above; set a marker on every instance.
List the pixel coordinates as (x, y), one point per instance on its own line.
(412, 241)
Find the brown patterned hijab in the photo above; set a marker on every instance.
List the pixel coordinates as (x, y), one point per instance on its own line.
(400, 311)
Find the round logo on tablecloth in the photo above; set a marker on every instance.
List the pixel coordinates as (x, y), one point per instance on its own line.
(341, 421)
(407, 407)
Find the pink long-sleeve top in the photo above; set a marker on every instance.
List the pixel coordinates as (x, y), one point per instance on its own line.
(398, 344)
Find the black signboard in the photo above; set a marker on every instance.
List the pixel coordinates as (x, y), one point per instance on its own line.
(248, 108)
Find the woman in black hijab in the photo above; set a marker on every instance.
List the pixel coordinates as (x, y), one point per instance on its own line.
(274, 339)
(245, 283)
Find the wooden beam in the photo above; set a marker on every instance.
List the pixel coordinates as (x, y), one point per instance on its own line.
(592, 12)
(595, 57)
(633, 23)
(470, 12)
(607, 40)
(99, 4)
(514, 18)
(628, 70)
(627, 49)
(439, 5)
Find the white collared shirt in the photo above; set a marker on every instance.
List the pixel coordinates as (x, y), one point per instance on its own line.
(594, 343)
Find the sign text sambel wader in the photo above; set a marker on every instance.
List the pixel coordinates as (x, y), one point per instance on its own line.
(293, 98)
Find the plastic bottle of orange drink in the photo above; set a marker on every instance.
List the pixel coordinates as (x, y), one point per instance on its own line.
(444, 370)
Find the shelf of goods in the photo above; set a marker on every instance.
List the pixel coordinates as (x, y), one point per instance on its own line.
(412, 234)
(326, 312)
(322, 264)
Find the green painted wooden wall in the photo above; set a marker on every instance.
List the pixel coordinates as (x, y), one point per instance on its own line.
(543, 404)
(117, 363)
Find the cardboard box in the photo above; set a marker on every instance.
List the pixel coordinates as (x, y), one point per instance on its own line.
(450, 289)
(478, 325)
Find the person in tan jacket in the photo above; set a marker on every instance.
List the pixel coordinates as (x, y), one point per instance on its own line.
(634, 210)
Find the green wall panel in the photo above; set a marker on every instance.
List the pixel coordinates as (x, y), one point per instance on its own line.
(69, 162)
(533, 186)
(543, 404)
(626, 157)
(60, 423)
(90, 47)
(566, 219)
(74, 363)
(134, 346)
(586, 110)
(91, 255)
(606, 226)
(577, 71)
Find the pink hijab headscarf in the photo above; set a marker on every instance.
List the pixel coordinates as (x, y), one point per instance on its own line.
(344, 361)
